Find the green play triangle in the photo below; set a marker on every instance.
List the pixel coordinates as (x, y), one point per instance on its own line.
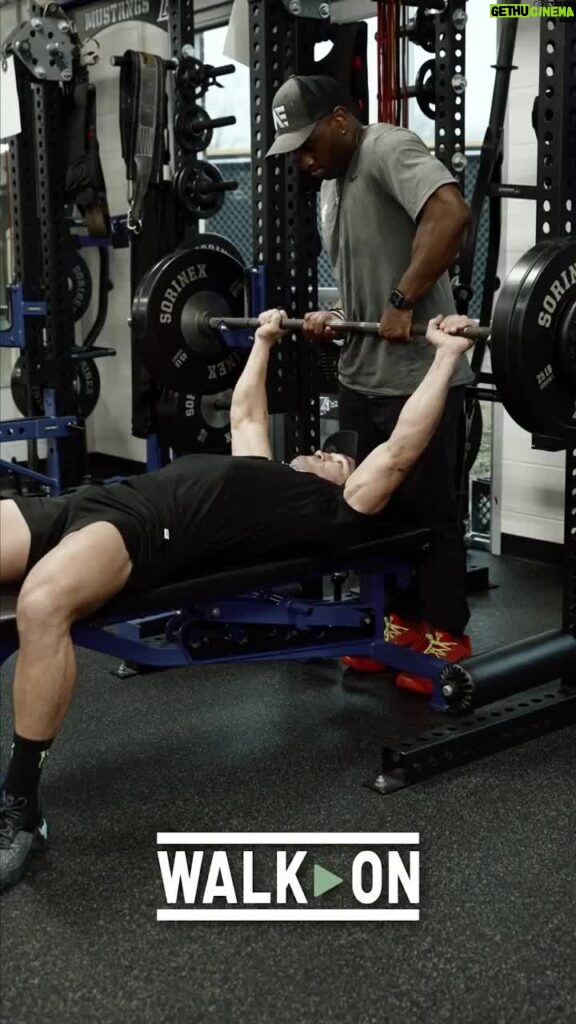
(324, 880)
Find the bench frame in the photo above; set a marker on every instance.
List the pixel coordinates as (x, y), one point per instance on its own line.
(272, 622)
(262, 613)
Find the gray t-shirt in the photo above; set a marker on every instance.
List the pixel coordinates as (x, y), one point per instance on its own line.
(368, 226)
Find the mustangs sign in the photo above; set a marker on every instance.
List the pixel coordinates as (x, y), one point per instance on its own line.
(93, 19)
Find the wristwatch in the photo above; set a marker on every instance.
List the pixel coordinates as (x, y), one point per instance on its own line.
(398, 300)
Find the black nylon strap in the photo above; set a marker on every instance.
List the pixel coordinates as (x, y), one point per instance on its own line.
(142, 125)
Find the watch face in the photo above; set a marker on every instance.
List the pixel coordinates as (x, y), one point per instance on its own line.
(396, 299)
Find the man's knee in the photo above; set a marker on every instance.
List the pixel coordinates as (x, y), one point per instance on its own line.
(44, 603)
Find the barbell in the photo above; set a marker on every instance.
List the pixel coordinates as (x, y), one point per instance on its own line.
(239, 323)
(185, 301)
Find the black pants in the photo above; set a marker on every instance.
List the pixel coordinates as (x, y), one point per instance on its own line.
(426, 498)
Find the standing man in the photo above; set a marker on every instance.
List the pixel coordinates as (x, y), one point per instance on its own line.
(393, 220)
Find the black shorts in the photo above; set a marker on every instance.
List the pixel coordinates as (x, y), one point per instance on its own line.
(51, 519)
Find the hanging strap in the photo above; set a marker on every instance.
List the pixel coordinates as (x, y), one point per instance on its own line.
(142, 126)
(85, 184)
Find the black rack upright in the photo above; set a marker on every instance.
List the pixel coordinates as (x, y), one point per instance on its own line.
(37, 182)
(284, 219)
(556, 216)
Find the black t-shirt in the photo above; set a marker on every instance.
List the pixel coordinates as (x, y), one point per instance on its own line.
(245, 509)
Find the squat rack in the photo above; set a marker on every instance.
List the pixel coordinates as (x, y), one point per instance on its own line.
(37, 182)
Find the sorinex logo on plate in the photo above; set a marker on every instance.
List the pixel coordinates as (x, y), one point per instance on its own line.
(289, 876)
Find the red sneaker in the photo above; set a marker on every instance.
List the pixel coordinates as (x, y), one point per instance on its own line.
(440, 644)
(396, 631)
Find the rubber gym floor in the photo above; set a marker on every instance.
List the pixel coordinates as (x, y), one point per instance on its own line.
(285, 747)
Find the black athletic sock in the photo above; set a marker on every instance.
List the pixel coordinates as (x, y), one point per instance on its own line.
(23, 775)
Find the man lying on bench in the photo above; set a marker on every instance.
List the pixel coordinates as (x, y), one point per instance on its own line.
(76, 552)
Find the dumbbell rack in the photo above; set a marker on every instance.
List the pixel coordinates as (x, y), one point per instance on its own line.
(198, 185)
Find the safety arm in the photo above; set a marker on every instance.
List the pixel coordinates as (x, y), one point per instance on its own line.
(437, 241)
(371, 486)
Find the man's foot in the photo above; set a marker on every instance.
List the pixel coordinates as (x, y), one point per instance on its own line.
(440, 644)
(396, 631)
(23, 829)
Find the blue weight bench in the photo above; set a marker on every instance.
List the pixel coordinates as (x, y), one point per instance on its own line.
(257, 612)
(264, 612)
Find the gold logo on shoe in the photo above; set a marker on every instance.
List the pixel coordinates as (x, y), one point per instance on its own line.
(393, 631)
(437, 647)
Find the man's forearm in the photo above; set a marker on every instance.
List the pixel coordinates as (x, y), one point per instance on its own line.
(423, 411)
(434, 249)
(370, 487)
(249, 400)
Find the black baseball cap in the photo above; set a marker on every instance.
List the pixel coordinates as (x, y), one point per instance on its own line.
(298, 106)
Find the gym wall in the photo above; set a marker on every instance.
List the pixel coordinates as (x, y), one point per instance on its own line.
(532, 500)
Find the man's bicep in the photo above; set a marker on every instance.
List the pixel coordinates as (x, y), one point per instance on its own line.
(409, 172)
(251, 438)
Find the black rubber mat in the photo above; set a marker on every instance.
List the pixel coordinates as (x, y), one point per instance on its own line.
(284, 747)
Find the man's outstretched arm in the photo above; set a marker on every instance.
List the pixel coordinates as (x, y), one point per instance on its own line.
(249, 408)
(371, 486)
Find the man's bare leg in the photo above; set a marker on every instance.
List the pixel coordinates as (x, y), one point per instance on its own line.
(74, 579)
(14, 542)
(79, 575)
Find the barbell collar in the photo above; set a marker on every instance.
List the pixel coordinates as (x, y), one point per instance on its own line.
(338, 326)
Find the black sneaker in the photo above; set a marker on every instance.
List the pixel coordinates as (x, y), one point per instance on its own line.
(23, 829)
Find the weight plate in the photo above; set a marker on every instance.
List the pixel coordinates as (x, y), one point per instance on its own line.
(540, 313)
(424, 30)
(567, 346)
(167, 316)
(193, 423)
(192, 79)
(536, 299)
(194, 189)
(425, 86)
(193, 133)
(86, 388)
(206, 342)
(220, 244)
(530, 395)
(79, 284)
(499, 331)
